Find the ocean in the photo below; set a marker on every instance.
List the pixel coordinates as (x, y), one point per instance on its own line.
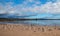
(39, 22)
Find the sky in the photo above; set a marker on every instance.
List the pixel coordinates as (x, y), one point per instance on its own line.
(30, 8)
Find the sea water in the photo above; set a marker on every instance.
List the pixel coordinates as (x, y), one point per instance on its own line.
(40, 22)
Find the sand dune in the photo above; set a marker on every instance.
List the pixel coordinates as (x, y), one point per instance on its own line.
(28, 30)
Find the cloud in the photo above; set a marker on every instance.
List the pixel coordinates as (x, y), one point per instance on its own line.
(50, 7)
(18, 9)
(30, 6)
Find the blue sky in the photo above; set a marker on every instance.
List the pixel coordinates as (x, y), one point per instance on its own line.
(35, 8)
(21, 1)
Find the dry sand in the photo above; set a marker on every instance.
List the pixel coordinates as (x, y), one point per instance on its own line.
(28, 30)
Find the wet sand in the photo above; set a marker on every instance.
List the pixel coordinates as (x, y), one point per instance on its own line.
(28, 30)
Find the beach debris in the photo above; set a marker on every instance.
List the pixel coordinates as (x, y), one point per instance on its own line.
(58, 28)
(49, 29)
(42, 29)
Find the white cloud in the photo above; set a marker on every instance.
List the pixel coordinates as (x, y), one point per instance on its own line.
(19, 9)
(50, 7)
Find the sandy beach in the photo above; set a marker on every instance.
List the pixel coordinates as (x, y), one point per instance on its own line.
(28, 30)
